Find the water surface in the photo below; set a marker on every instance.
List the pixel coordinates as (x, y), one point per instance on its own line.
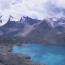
(49, 55)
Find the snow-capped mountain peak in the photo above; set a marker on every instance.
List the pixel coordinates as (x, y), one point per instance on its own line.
(13, 19)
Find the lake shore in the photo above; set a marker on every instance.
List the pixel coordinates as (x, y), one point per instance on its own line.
(7, 57)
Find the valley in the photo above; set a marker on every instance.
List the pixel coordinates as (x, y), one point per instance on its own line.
(50, 32)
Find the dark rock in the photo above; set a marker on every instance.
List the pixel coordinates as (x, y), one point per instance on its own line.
(27, 57)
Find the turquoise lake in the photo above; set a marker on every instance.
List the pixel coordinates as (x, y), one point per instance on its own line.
(49, 55)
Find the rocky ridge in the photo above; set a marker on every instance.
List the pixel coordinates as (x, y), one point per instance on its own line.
(50, 31)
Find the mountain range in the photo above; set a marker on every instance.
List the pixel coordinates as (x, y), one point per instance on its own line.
(50, 31)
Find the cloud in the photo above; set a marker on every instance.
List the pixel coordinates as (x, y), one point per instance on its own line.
(33, 8)
(5, 4)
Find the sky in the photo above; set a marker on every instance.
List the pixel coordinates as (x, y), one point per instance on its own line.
(38, 9)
